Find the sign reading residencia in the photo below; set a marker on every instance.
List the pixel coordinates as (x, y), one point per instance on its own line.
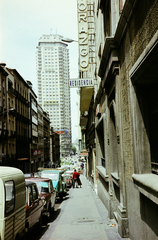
(81, 82)
(83, 35)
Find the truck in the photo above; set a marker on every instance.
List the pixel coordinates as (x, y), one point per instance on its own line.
(12, 203)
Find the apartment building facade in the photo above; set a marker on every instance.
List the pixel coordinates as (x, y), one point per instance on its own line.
(22, 121)
(55, 148)
(40, 137)
(33, 128)
(24, 127)
(53, 86)
(46, 134)
(7, 117)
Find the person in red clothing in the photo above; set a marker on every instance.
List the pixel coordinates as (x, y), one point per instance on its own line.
(75, 177)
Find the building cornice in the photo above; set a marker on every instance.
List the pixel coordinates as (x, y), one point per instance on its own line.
(112, 42)
(124, 19)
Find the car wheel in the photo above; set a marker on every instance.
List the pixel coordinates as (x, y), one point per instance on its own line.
(40, 222)
(61, 198)
(17, 237)
(26, 227)
(50, 210)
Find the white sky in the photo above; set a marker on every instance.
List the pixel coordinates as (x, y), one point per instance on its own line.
(22, 23)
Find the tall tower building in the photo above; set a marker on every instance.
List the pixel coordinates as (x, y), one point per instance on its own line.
(53, 86)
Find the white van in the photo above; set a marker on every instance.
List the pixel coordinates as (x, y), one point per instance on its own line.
(12, 203)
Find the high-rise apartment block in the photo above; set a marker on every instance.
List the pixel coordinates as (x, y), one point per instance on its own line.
(53, 86)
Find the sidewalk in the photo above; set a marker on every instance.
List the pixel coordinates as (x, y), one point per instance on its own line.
(82, 216)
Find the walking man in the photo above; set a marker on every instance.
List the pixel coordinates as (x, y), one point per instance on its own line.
(75, 176)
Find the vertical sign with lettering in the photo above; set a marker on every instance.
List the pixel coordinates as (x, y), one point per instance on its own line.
(91, 32)
(83, 35)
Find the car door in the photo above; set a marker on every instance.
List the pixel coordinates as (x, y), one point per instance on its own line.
(36, 205)
(63, 182)
(52, 190)
(29, 202)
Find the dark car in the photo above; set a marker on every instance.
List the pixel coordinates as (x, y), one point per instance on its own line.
(34, 206)
(47, 193)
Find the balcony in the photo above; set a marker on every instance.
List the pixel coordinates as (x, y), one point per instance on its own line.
(3, 134)
(11, 91)
(12, 134)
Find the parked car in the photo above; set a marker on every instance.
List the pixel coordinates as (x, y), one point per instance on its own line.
(59, 181)
(12, 203)
(69, 180)
(34, 206)
(26, 175)
(47, 193)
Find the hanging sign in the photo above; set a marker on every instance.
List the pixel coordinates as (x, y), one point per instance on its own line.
(81, 82)
(83, 35)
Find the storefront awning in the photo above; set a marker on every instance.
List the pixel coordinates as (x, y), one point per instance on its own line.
(86, 94)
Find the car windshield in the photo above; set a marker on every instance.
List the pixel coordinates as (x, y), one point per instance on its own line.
(52, 176)
(43, 187)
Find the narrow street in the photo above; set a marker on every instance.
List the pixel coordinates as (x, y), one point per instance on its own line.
(81, 215)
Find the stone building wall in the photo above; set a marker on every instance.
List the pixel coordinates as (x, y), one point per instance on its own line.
(127, 68)
(141, 29)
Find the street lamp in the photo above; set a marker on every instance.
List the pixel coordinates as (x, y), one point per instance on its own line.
(68, 40)
(10, 109)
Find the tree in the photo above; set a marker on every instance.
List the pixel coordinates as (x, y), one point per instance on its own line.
(74, 150)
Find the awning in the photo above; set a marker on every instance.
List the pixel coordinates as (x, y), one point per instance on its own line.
(22, 159)
(86, 94)
(83, 121)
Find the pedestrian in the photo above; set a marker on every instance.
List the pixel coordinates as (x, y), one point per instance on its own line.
(82, 165)
(75, 177)
(79, 181)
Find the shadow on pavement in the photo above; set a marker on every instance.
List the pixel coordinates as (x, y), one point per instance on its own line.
(36, 234)
(54, 215)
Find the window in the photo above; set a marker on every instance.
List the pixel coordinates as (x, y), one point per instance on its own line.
(34, 191)
(147, 99)
(153, 128)
(113, 133)
(9, 196)
(144, 108)
(30, 195)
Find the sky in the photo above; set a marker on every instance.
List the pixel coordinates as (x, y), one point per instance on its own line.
(22, 23)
